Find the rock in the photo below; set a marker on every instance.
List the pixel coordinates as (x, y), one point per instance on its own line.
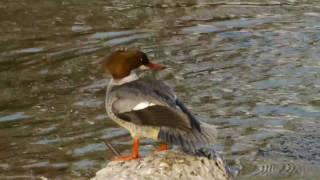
(167, 165)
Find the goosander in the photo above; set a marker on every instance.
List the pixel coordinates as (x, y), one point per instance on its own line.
(149, 108)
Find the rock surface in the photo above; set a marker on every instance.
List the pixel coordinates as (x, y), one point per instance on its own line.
(166, 165)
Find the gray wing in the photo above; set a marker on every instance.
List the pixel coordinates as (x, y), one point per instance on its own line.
(157, 115)
(177, 125)
(164, 110)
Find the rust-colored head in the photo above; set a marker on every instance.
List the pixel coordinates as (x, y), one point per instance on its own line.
(122, 62)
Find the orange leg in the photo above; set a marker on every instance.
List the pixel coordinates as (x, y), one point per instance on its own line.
(134, 154)
(162, 147)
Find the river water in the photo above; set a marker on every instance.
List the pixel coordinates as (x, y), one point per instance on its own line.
(250, 67)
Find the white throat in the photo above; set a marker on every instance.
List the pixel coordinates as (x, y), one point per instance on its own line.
(131, 77)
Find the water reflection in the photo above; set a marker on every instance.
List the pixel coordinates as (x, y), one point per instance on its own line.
(14, 117)
(251, 69)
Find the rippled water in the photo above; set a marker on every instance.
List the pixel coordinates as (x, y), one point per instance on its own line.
(250, 67)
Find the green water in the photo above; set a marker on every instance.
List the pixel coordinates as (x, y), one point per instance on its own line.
(252, 69)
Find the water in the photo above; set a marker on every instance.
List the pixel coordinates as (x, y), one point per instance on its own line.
(251, 68)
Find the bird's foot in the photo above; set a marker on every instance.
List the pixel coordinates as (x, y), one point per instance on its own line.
(125, 158)
(162, 147)
(134, 155)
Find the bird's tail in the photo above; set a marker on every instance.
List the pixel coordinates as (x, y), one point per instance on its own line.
(189, 141)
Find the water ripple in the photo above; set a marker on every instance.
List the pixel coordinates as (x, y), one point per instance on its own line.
(14, 117)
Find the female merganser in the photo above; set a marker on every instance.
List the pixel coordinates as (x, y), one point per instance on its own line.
(149, 108)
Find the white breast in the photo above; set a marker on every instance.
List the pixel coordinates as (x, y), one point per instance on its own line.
(143, 105)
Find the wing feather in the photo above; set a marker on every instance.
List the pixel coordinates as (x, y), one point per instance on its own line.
(156, 115)
(162, 111)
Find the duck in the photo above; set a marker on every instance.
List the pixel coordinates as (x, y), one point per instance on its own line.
(148, 107)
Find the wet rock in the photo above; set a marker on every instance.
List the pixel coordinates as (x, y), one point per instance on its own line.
(168, 165)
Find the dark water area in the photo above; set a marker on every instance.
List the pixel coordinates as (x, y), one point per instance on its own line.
(250, 67)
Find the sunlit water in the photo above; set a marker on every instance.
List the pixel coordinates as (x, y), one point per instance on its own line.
(252, 69)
